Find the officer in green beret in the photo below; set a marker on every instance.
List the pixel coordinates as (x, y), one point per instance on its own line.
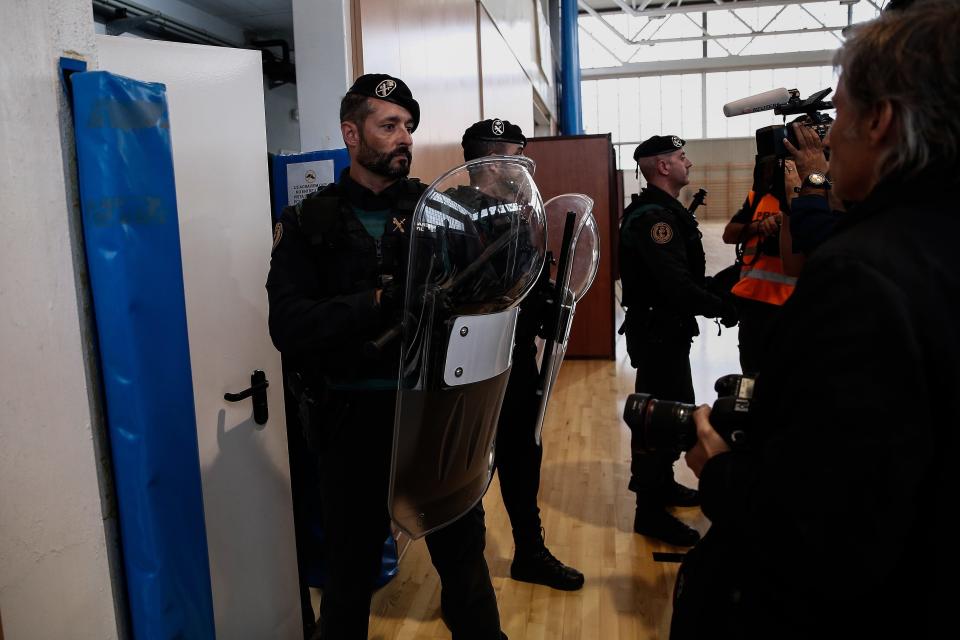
(336, 283)
(662, 268)
(518, 456)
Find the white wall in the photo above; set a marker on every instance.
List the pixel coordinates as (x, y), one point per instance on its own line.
(324, 69)
(54, 574)
(283, 132)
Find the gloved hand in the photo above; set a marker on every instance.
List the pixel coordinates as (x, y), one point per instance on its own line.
(391, 300)
(728, 314)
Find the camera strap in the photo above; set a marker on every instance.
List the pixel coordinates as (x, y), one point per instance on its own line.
(741, 241)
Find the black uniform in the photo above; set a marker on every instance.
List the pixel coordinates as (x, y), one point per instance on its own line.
(518, 457)
(662, 273)
(831, 526)
(324, 272)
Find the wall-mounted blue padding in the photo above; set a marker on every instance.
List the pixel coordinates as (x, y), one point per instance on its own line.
(133, 253)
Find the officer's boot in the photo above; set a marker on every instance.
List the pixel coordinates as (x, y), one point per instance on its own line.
(533, 562)
(653, 520)
(677, 495)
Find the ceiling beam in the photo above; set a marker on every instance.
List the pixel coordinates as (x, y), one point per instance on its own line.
(718, 5)
(700, 65)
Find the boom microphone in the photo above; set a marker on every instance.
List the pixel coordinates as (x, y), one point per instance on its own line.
(760, 102)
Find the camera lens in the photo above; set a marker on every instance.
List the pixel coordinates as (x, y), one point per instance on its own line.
(659, 425)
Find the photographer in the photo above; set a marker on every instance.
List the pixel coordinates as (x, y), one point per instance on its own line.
(813, 210)
(827, 525)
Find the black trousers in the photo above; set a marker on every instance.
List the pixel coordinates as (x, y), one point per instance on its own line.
(663, 371)
(355, 440)
(758, 321)
(518, 457)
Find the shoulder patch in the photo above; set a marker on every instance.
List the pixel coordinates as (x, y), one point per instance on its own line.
(277, 234)
(662, 233)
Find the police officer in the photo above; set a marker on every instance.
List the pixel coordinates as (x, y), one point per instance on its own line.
(334, 284)
(662, 272)
(518, 456)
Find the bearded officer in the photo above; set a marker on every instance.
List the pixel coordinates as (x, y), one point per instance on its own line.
(335, 283)
(662, 268)
(518, 456)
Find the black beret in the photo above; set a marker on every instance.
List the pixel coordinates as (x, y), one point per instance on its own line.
(494, 130)
(657, 145)
(385, 87)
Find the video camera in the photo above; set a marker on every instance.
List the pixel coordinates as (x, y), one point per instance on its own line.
(662, 425)
(784, 102)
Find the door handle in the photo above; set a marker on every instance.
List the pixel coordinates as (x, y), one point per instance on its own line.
(258, 390)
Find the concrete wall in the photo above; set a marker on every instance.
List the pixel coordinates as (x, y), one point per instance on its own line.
(283, 131)
(324, 56)
(54, 570)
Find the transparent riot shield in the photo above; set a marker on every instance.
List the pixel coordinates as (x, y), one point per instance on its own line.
(478, 245)
(572, 240)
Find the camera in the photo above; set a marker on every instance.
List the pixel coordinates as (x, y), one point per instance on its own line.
(661, 425)
(784, 102)
(770, 139)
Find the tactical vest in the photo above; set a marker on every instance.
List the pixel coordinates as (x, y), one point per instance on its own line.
(636, 292)
(647, 312)
(347, 258)
(762, 277)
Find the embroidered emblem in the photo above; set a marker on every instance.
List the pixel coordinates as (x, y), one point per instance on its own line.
(277, 234)
(497, 127)
(385, 88)
(398, 225)
(676, 141)
(661, 233)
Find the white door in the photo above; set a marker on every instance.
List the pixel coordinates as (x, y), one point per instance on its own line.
(215, 98)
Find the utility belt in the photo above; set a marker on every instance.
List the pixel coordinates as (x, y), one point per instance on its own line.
(323, 404)
(659, 325)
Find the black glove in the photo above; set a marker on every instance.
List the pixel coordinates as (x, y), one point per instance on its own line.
(391, 300)
(728, 314)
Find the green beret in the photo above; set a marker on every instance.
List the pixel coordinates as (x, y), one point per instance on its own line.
(494, 130)
(658, 145)
(385, 87)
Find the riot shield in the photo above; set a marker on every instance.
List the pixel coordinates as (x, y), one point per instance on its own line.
(478, 245)
(572, 238)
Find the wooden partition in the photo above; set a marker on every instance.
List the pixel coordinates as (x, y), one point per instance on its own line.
(585, 164)
(432, 46)
(464, 60)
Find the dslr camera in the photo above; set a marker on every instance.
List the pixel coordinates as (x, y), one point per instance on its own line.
(661, 425)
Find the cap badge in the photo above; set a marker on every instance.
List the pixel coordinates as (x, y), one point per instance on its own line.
(497, 127)
(676, 141)
(385, 88)
(661, 233)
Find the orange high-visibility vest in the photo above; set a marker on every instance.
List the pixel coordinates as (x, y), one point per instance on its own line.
(762, 277)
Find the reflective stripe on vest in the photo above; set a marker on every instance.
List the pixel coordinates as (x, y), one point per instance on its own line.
(762, 278)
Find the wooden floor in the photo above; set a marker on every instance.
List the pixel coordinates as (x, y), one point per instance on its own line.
(587, 514)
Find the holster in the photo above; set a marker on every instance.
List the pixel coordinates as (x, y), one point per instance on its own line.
(308, 408)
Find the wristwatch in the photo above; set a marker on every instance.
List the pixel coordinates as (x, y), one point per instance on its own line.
(817, 180)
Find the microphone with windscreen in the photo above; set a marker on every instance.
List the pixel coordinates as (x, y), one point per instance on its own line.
(760, 102)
